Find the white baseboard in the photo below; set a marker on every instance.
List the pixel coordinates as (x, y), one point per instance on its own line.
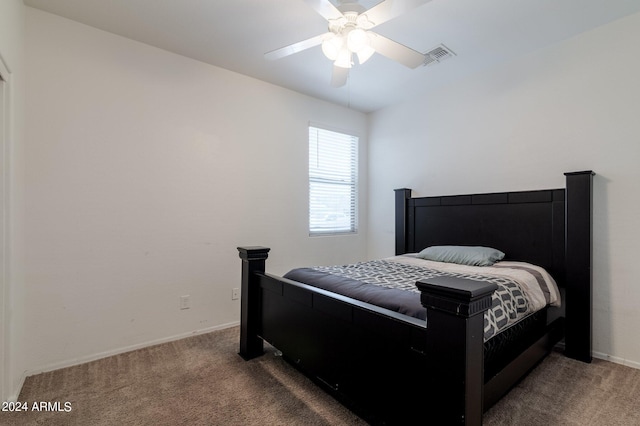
(89, 358)
(607, 357)
(14, 396)
(617, 360)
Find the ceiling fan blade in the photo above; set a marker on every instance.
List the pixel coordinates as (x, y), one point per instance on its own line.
(325, 8)
(296, 47)
(396, 51)
(339, 76)
(389, 9)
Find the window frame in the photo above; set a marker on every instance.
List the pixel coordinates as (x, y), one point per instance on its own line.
(318, 135)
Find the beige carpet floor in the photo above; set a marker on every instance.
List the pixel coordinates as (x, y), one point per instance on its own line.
(202, 381)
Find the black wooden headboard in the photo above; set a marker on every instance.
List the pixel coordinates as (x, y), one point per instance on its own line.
(550, 228)
(528, 226)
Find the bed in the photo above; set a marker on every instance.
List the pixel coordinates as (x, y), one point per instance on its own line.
(393, 367)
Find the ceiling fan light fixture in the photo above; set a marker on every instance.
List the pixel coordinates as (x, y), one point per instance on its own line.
(344, 58)
(357, 40)
(331, 46)
(365, 54)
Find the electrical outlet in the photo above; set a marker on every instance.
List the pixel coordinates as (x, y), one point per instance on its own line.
(235, 294)
(185, 302)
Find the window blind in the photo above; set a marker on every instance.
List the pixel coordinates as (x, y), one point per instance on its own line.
(333, 182)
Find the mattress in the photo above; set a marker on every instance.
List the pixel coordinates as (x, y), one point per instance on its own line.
(523, 288)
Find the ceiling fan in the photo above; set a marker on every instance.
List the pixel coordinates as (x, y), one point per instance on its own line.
(349, 35)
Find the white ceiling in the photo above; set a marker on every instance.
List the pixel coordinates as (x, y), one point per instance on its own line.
(234, 34)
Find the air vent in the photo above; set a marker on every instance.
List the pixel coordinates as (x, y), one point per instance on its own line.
(437, 54)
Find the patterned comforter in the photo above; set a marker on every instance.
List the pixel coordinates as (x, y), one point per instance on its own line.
(390, 283)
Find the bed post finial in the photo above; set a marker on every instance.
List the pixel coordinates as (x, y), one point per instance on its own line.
(579, 254)
(253, 262)
(403, 195)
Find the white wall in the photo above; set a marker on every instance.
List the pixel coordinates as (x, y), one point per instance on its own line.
(11, 167)
(145, 171)
(519, 126)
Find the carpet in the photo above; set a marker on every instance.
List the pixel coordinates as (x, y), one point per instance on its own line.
(201, 380)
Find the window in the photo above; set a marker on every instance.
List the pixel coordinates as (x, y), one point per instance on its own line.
(333, 182)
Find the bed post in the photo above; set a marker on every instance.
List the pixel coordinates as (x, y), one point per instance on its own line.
(253, 262)
(579, 290)
(402, 198)
(455, 347)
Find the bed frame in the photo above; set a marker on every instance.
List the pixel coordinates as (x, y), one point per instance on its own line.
(390, 368)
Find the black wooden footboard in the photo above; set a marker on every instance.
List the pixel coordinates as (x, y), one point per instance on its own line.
(386, 366)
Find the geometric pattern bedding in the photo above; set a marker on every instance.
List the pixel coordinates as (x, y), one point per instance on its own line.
(510, 302)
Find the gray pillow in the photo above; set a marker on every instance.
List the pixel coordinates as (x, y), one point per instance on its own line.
(463, 255)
